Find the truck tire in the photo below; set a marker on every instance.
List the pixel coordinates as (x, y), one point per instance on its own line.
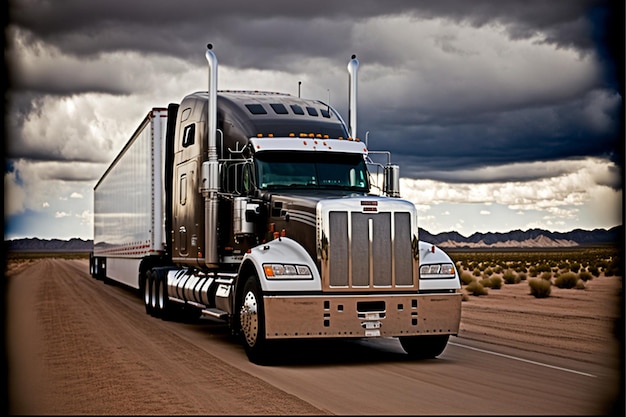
(424, 347)
(164, 306)
(252, 322)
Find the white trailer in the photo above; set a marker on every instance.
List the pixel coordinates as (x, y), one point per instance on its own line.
(129, 229)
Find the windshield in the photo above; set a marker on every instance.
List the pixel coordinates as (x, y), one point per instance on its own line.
(315, 170)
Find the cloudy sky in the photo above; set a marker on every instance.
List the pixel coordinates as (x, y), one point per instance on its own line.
(502, 115)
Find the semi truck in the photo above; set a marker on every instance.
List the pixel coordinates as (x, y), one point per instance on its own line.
(266, 211)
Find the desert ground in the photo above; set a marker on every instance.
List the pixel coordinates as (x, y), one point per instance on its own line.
(64, 358)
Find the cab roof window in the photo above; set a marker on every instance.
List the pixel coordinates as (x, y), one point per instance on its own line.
(296, 109)
(256, 108)
(278, 108)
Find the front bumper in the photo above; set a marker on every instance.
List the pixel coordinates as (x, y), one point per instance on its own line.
(337, 316)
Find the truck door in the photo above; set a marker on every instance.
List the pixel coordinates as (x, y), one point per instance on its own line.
(187, 202)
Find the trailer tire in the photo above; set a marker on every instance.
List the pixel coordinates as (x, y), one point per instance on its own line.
(251, 316)
(424, 347)
(147, 291)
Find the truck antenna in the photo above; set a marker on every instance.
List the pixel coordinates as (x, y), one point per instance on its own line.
(299, 85)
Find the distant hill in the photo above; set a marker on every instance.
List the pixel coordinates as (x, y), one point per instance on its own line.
(533, 238)
(45, 245)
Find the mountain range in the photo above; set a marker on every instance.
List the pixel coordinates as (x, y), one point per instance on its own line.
(532, 238)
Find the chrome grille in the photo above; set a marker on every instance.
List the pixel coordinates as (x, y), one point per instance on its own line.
(369, 250)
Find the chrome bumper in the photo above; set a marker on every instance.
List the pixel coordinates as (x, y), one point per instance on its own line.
(332, 316)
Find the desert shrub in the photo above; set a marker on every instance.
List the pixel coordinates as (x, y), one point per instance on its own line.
(488, 272)
(497, 269)
(510, 277)
(566, 280)
(546, 275)
(594, 271)
(580, 284)
(466, 278)
(532, 271)
(476, 272)
(496, 282)
(522, 276)
(563, 265)
(543, 268)
(540, 288)
(585, 276)
(574, 267)
(476, 288)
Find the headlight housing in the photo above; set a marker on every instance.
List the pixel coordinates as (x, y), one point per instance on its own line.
(443, 270)
(287, 271)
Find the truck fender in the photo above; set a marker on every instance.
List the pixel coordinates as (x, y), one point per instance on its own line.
(282, 251)
(432, 254)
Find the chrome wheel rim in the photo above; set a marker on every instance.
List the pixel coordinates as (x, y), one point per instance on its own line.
(249, 318)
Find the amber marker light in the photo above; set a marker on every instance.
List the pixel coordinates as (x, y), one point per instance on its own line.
(269, 271)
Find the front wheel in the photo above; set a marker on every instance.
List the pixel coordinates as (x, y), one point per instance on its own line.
(252, 322)
(424, 347)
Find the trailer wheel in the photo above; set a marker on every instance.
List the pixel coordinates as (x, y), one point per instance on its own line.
(252, 322)
(424, 347)
(147, 291)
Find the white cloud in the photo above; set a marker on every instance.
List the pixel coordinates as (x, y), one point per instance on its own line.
(577, 197)
(14, 195)
(48, 185)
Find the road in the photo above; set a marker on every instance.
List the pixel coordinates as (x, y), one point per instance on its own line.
(79, 346)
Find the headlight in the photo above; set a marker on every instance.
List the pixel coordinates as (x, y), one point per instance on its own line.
(287, 271)
(437, 271)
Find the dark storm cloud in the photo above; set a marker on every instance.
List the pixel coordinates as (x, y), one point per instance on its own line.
(278, 25)
(425, 134)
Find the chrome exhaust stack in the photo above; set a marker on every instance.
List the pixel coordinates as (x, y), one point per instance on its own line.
(210, 168)
(353, 68)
